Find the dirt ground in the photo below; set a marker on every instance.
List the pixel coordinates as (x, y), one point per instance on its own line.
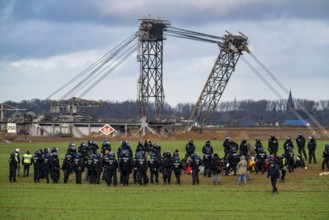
(212, 134)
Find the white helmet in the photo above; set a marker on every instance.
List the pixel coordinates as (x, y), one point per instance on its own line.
(17, 149)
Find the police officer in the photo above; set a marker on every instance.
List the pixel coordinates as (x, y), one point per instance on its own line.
(157, 150)
(258, 146)
(311, 145)
(78, 167)
(288, 145)
(106, 147)
(167, 167)
(189, 148)
(195, 163)
(12, 167)
(140, 147)
(233, 157)
(207, 151)
(325, 156)
(54, 167)
(274, 173)
(142, 166)
(226, 146)
(154, 165)
(300, 141)
(36, 161)
(93, 146)
(290, 160)
(26, 162)
(45, 166)
(260, 161)
(97, 167)
(282, 162)
(273, 145)
(244, 147)
(125, 165)
(18, 161)
(67, 167)
(110, 168)
(90, 168)
(177, 166)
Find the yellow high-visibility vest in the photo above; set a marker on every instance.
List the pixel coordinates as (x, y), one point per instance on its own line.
(27, 158)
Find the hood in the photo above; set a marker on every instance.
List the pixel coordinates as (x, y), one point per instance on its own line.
(242, 158)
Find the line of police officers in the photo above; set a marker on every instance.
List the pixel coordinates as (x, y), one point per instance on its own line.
(148, 156)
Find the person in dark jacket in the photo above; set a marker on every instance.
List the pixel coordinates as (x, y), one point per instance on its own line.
(177, 166)
(154, 165)
(311, 145)
(274, 174)
(167, 167)
(110, 168)
(325, 156)
(36, 161)
(142, 166)
(300, 141)
(215, 169)
(67, 167)
(189, 148)
(207, 151)
(12, 167)
(78, 167)
(273, 145)
(195, 162)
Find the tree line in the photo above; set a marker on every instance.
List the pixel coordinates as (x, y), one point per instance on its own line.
(229, 113)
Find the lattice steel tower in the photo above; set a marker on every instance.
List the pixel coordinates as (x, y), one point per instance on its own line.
(150, 83)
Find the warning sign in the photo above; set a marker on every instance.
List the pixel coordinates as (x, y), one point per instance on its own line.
(107, 129)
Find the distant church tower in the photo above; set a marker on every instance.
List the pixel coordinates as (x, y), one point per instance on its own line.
(290, 103)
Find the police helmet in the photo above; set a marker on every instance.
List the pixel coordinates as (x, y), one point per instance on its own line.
(244, 139)
(257, 140)
(12, 154)
(123, 143)
(55, 154)
(168, 153)
(72, 144)
(37, 153)
(326, 146)
(112, 154)
(300, 134)
(191, 141)
(208, 142)
(311, 137)
(106, 142)
(288, 138)
(84, 144)
(78, 155)
(17, 150)
(140, 142)
(69, 156)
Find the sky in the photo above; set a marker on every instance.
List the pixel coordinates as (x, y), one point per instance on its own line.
(44, 44)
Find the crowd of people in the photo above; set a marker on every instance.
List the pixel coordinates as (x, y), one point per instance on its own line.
(103, 164)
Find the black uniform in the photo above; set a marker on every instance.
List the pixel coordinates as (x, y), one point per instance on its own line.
(67, 167)
(125, 165)
(154, 165)
(291, 161)
(288, 145)
(195, 163)
(167, 167)
(12, 168)
(226, 146)
(78, 167)
(142, 166)
(260, 161)
(233, 158)
(300, 141)
(273, 145)
(90, 168)
(45, 166)
(177, 165)
(189, 148)
(36, 161)
(258, 146)
(274, 173)
(110, 169)
(311, 145)
(244, 147)
(54, 167)
(282, 162)
(97, 168)
(325, 156)
(207, 151)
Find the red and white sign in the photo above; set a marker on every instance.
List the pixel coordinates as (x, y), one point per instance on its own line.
(107, 129)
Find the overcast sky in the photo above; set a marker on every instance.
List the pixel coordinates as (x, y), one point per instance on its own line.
(43, 44)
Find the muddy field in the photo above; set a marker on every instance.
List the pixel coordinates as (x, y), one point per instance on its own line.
(211, 134)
